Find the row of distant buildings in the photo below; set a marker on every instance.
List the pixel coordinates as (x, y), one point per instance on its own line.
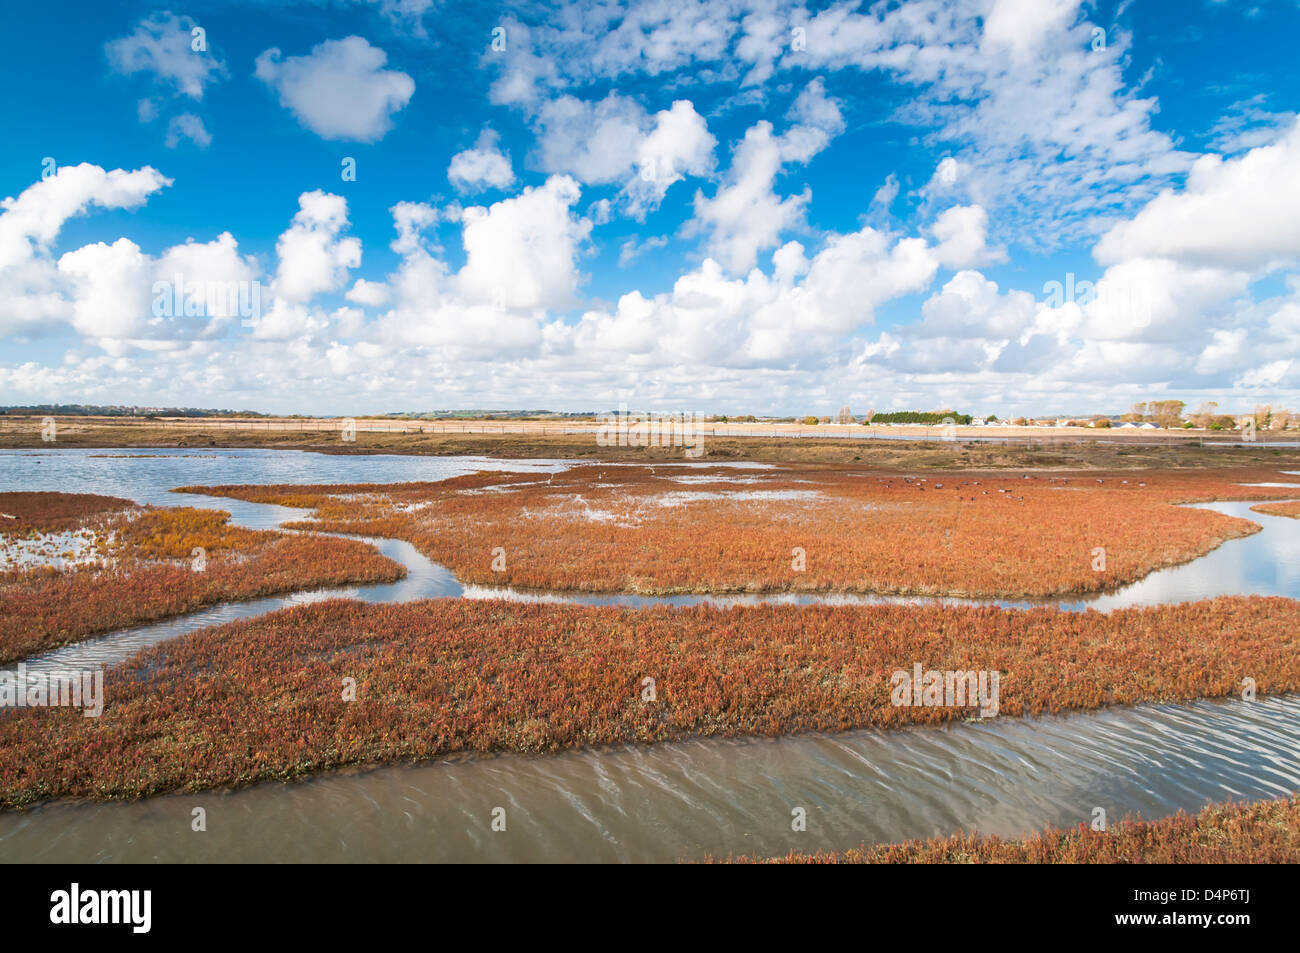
(1282, 421)
(1221, 422)
(978, 421)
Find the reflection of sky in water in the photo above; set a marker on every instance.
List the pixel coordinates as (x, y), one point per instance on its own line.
(56, 550)
(146, 476)
(1266, 564)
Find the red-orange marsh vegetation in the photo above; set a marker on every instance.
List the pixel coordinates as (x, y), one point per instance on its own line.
(666, 529)
(265, 698)
(1289, 508)
(49, 512)
(153, 563)
(1266, 832)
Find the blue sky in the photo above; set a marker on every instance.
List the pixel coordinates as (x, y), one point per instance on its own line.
(742, 206)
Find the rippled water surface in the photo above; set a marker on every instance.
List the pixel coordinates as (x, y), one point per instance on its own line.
(690, 800)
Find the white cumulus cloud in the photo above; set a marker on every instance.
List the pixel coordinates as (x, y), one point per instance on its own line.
(314, 257)
(484, 166)
(340, 90)
(163, 45)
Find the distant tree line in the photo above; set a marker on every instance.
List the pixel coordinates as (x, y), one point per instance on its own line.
(1163, 413)
(920, 417)
(1169, 414)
